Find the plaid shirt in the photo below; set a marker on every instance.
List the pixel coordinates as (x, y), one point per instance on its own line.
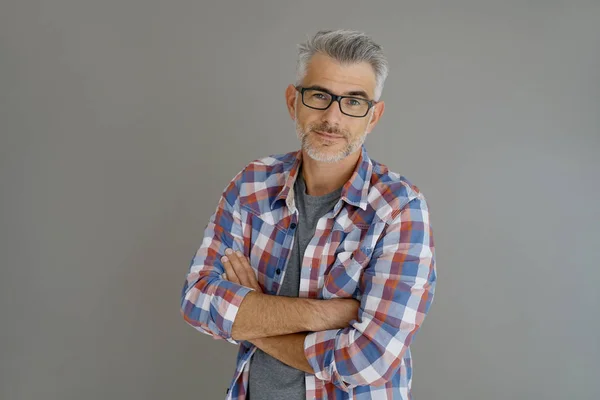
(376, 246)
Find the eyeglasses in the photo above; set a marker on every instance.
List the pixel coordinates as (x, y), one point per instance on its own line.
(321, 100)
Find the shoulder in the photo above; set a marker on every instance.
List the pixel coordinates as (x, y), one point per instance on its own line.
(267, 166)
(390, 192)
(266, 173)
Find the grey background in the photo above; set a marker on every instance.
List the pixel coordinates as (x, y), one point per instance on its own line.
(122, 121)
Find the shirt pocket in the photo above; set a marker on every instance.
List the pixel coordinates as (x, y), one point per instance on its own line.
(263, 244)
(343, 278)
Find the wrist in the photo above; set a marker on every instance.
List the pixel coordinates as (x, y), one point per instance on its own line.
(318, 312)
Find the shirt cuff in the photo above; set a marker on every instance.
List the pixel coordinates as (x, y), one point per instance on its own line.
(319, 350)
(225, 305)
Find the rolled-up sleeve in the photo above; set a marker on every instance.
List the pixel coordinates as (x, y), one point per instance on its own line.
(210, 303)
(397, 289)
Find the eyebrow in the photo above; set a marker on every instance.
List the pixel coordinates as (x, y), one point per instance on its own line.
(360, 93)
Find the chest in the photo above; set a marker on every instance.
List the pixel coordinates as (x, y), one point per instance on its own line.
(333, 259)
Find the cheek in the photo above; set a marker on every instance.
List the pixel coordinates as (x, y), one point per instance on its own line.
(358, 129)
(306, 120)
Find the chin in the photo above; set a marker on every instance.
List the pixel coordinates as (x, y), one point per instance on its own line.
(323, 150)
(324, 155)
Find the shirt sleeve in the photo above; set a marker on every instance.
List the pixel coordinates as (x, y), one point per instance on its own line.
(210, 303)
(397, 290)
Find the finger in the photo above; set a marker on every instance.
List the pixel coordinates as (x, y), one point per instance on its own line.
(231, 275)
(250, 271)
(238, 268)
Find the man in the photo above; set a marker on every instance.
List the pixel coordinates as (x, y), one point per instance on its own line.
(319, 263)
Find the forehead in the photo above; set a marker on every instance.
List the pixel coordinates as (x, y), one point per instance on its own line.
(324, 71)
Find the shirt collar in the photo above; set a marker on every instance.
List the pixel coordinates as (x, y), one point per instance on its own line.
(354, 192)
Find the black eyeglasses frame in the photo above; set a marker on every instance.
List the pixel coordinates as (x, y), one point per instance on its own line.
(335, 97)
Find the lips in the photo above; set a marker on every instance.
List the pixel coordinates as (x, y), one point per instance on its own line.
(328, 135)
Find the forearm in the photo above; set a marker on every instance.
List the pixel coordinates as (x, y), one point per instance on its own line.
(262, 315)
(289, 349)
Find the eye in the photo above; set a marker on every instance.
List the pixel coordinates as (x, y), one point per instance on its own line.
(354, 102)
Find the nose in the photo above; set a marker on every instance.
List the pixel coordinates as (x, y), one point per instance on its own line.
(333, 114)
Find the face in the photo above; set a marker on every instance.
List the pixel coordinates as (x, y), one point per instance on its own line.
(329, 135)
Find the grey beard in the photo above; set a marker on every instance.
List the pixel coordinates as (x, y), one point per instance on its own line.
(318, 155)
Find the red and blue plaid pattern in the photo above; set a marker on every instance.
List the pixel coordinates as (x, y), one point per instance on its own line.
(376, 246)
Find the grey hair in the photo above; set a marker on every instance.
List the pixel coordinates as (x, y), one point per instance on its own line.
(346, 47)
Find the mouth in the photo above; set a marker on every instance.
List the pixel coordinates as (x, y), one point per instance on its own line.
(326, 135)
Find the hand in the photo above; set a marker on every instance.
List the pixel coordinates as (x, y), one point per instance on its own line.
(238, 270)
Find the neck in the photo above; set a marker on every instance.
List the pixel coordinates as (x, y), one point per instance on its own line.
(322, 178)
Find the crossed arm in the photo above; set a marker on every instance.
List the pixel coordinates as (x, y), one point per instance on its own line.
(279, 332)
(329, 338)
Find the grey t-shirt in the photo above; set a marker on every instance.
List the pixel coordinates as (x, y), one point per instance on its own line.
(269, 378)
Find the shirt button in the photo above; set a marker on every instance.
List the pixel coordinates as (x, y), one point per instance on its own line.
(277, 271)
(293, 225)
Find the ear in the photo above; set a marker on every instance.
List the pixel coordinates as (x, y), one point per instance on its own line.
(377, 113)
(290, 100)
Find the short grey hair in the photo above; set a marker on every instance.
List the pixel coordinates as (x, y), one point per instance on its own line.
(346, 47)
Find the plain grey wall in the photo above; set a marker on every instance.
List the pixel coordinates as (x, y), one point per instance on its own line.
(122, 121)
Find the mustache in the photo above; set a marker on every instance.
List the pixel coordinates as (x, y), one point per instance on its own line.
(326, 128)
